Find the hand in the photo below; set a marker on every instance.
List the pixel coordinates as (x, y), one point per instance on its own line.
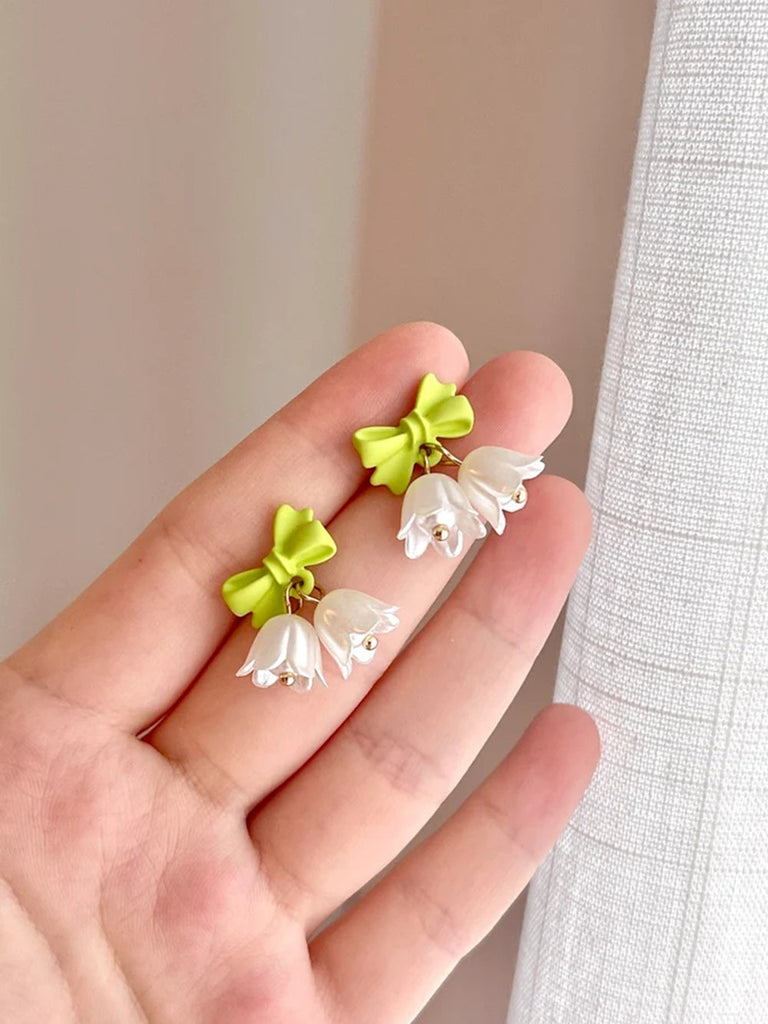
(181, 877)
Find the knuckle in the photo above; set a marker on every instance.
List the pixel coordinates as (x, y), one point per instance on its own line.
(404, 765)
(503, 822)
(198, 557)
(437, 921)
(292, 894)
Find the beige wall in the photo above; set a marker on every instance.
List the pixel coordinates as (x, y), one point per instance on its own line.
(200, 212)
(179, 202)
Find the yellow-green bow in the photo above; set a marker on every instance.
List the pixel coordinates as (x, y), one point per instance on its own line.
(300, 540)
(394, 451)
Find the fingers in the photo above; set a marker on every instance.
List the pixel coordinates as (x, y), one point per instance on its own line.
(370, 789)
(239, 744)
(382, 961)
(131, 643)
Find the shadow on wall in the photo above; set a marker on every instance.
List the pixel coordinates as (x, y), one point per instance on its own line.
(499, 156)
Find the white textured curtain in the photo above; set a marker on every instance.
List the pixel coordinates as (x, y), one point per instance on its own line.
(654, 905)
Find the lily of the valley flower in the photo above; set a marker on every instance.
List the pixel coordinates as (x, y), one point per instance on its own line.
(286, 650)
(348, 621)
(492, 478)
(436, 511)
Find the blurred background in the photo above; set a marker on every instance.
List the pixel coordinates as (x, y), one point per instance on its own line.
(205, 205)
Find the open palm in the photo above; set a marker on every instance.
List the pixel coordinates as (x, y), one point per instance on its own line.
(184, 876)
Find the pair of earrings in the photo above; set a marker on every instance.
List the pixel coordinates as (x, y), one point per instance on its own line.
(438, 511)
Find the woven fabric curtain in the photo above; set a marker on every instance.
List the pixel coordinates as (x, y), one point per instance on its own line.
(654, 905)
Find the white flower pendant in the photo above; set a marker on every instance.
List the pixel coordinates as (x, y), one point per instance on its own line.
(348, 622)
(287, 650)
(492, 478)
(437, 512)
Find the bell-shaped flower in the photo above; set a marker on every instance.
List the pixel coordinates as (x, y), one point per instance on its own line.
(492, 478)
(436, 511)
(286, 650)
(348, 621)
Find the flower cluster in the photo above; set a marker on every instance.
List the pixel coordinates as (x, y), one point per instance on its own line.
(287, 647)
(444, 513)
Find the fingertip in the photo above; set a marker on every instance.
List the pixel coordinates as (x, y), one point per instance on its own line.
(427, 347)
(441, 339)
(522, 401)
(587, 733)
(574, 731)
(568, 506)
(551, 379)
(376, 383)
(549, 771)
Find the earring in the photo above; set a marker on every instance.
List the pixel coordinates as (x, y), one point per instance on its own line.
(438, 510)
(287, 648)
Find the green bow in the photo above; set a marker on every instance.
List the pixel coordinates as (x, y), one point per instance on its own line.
(394, 451)
(300, 540)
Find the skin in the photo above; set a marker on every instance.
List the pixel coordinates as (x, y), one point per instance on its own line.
(184, 875)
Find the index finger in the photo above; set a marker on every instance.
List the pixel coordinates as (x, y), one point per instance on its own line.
(131, 643)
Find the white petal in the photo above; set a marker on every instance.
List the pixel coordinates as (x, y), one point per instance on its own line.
(350, 611)
(406, 526)
(421, 497)
(499, 470)
(490, 460)
(331, 628)
(492, 511)
(269, 646)
(452, 546)
(499, 523)
(303, 684)
(431, 493)
(263, 677)
(389, 620)
(362, 655)
(533, 469)
(485, 502)
(472, 526)
(285, 643)
(302, 648)
(416, 541)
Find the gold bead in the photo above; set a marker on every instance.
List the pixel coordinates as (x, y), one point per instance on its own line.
(441, 532)
(287, 678)
(370, 643)
(520, 495)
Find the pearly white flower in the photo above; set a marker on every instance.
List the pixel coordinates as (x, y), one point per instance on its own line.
(492, 478)
(436, 511)
(347, 622)
(286, 650)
